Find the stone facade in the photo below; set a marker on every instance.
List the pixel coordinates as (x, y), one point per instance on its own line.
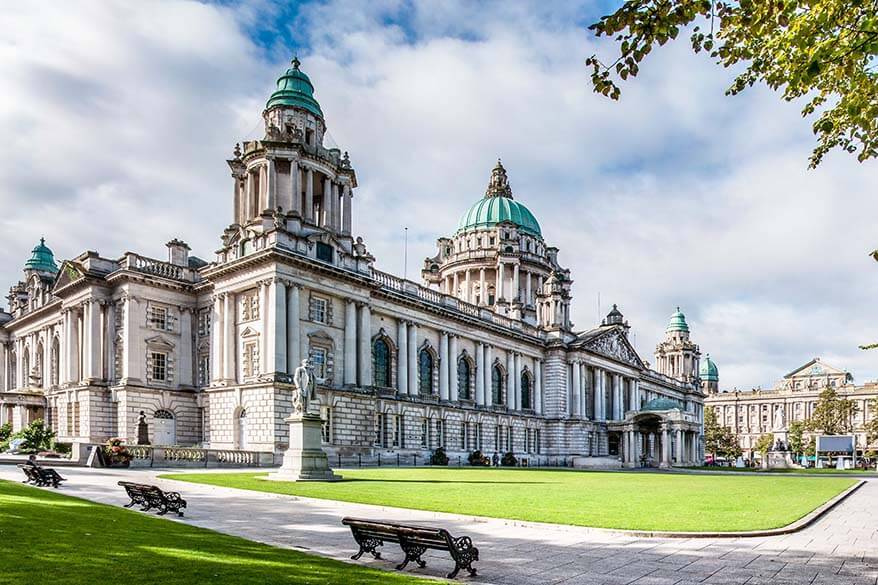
(752, 413)
(482, 355)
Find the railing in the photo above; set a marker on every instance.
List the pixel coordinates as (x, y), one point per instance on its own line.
(193, 456)
(450, 302)
(136, 262)
(417, 460)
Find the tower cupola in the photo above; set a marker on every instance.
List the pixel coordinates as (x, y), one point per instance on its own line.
(42, 259)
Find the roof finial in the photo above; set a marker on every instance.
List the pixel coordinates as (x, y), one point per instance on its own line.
(295, 62)
(42, 241)
(498, 186)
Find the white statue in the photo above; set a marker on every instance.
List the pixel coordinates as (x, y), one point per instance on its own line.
(303, 379)
(778, 418)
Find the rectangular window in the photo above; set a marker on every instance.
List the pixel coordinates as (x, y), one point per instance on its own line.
(250, 363)
(440, 433)
(399, 431)
(326, 424)
(462, 436)
(158, 318)
(204, 323)
(318, 361)
(317, 311)
(324, 252)
(204, 370)
(425, 433)
(537, 441)
(479, 436)
(379, 430)
(159, 366)
(527, 440)
(508, 438)
(497, 438)
(249, 306)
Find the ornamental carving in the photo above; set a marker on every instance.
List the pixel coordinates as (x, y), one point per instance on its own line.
(615, 345)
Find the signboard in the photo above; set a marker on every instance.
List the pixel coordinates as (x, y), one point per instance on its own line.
(835, 444)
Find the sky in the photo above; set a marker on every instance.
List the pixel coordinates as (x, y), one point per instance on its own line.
(118, 117)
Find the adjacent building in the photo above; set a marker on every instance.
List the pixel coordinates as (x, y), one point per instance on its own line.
(481, 355)
(752, 413)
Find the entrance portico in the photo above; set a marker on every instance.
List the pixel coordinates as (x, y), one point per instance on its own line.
(659, 435)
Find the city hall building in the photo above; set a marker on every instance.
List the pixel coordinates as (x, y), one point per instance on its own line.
(481, 355)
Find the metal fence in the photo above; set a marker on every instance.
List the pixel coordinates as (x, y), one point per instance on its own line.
(339, 461)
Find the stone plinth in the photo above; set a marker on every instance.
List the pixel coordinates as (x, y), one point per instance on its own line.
(305, 459)
(779, 459)
(597, 463)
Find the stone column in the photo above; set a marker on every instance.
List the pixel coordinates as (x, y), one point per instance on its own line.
(455, 285)
(443, 365)
(4, 373)
(279, 332)
(452, 368)
(95, 364)
(186, 343)
(527, 293)
(350, 343)
(693, 448)
(467, 292)
(510, 383)
(365, 345)
(625, 455)
(110, 337)
(413, 359)
(598, 392)
(576, 405)
(267, 351)
(486, 376)
(679, 447)
(617, 397)
(517, 362)
(295, 190)
(538, 386)
(480, 373)
(583, 390)
(516, 287)
(665, 451)
(483, 293)
(271, 184)
(230, 373)
(402, 359)
(294, 339)
(65, 352)
(309, 195)
(635, 395)
(216, 340)
(498, 292)
(73, 354)
(327, 203)
(346, 221)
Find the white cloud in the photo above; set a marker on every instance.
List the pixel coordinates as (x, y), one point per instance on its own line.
(120, 117)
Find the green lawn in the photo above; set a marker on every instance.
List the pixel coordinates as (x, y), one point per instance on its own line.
(808, 471)
(55, 539)
(643, 501)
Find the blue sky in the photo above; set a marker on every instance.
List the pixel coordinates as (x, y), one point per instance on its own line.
(118, 117)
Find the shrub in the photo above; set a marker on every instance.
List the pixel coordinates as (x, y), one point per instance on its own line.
(477, 458)
(438, 457)
(508, 460)
(35, 437)
(5, 431)
(63, 448)
(117, 452)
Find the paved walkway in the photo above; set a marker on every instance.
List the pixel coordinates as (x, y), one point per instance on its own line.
(840, 549)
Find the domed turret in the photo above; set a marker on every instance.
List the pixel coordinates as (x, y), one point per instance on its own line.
(678, 322)
(709, 372)
(42, 259)
(294, 88)
(498, 206)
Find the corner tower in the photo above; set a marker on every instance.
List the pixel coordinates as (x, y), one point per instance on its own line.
(709, 375)
(677, 357)
(291, 182)
(497, 259)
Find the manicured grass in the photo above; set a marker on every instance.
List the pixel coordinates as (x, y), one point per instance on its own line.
(55, 539)
(641, 501)
(808, 471)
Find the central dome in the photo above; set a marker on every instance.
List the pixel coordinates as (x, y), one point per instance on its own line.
(498, 206)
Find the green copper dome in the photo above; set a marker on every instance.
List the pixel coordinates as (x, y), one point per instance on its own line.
(708, 371)
(295, 89)
(678, 322)
(498, 206)
(42, 259)
(661, 404)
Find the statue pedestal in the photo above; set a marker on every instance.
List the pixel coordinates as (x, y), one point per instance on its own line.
(305, 459)
(779, 459)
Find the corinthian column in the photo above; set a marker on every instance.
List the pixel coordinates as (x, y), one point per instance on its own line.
(350, 343)
(402, 359)
(443, 365)
(365, 345)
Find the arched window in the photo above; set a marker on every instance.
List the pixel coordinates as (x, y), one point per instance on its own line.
(56, 356)
(525, 391)
(381, 363)
(425, 372)
(496, 385)
(463, 375)
(242, 429)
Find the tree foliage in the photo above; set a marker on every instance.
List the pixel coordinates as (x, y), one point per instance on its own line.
(796, 437)
(871, 427)
(764, 443)
(832, 415)
(36, 437)
(821, 50)
(719, 440)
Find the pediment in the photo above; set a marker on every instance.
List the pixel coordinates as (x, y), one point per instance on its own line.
(249, 332)
(815, 367)
(159, 342)
(613, 344)
(68, 273)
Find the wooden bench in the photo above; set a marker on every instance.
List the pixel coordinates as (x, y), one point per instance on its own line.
(150, 496)
(41, 476)
(414, 542)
